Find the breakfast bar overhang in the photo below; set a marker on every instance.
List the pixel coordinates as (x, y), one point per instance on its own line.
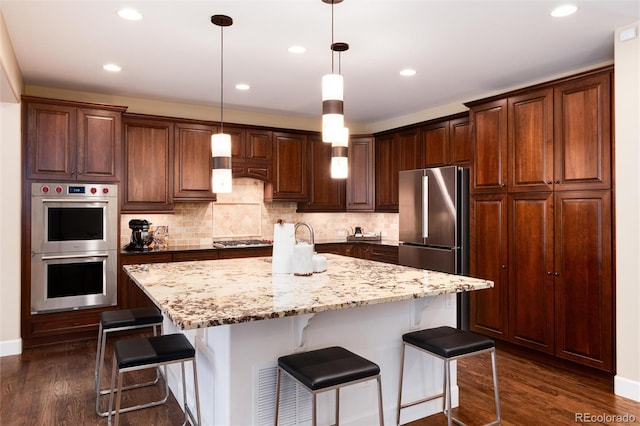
(241, 318)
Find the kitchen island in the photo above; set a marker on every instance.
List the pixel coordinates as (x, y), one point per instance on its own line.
(241, 318)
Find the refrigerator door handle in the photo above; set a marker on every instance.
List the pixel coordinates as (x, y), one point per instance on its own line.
(425, 206)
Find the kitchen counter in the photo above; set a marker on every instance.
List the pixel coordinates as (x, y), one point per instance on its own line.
(205, 247)
(241, 318)
(210, 293)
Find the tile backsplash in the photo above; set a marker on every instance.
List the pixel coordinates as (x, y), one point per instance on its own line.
(243, 214)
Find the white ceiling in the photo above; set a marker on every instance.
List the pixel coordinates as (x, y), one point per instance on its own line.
(460, 49)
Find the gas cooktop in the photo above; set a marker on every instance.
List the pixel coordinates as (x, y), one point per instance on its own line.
(242, 243)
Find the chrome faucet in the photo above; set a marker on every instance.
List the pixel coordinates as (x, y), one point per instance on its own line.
(295, 230)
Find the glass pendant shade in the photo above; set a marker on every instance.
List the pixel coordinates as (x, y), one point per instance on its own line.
(332, 106)
(339, 161)
(221, 163)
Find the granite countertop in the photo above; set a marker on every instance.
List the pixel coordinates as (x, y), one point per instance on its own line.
(215, 292)
(176, 249)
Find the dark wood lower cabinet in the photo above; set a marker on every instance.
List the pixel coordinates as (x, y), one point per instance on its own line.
(550, 256)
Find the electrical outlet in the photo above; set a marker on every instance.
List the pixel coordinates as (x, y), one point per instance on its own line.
(450, 301)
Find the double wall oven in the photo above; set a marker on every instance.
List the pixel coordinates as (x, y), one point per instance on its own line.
(74, 240)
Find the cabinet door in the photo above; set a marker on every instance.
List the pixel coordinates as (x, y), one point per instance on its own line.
(489, 136)
(259, 154)
(192, 162)
(583, 278)
(531, 295)
(325, 193)
(435, 144)
(531, 141)
(410, 150)
(99, 152)
(460, 142)
(387, 168)
(50, 141)
(488, 260)
(148, 174)
(289, 181)
(582, 112)
(361, 181)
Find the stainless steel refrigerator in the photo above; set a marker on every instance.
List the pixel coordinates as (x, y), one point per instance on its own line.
(434, 224)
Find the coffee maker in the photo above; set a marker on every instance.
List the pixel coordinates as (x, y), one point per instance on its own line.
(141, 235)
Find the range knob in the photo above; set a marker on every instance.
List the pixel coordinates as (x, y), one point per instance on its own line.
(105, 190)
(45, 189)
(59, 189)
(93, 190)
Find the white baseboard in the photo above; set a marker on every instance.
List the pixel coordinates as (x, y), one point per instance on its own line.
(11, 347)
(626, 388)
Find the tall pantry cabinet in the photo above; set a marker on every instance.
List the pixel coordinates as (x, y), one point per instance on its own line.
(541, 218)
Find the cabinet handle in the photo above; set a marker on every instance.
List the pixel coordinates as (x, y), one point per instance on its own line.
(503, 266)
(549, 182)
(557, 181)
(557, 274)
(549, 273)
(503, 185)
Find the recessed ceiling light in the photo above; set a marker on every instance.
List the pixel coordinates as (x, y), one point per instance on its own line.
(564, 10)
(111, 67)
(408, 72)
(130, 14)
(297, 49)
(243, 86)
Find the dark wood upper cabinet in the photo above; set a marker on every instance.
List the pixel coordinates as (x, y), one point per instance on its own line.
(251, 152)
(410, 149)
(435, 144)
(361, 181)
(72, 141)
(394, 152)
(149, 165)
(447, 142)
(325, 193)
(289, 182)
(582, 145)
(530, 139)
(192, 162)
(489, 136)
(460, 149)
(387, 153)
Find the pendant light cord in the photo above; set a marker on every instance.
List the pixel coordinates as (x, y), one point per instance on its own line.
(332, 4)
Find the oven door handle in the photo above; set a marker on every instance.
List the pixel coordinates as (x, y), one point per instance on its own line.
(76, 256)
(67, 200)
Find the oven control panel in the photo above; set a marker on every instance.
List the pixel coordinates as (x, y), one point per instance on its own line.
(73, 190)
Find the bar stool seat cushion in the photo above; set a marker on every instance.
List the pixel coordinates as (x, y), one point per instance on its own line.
(448, 342)
(152, 350)
(130, 317)
(324, 368)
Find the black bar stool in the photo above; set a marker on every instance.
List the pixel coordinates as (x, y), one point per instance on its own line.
(121, 320)
(152, 352)
(448, 344)
(327, 369)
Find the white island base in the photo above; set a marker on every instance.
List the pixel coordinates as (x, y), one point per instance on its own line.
(237, 364)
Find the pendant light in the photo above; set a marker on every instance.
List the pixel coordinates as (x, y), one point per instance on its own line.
(221, 142)
(332, 94)
(339, 137)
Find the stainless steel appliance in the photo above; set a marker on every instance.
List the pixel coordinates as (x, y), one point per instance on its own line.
(141, 235)
(74, 238)
(434, 224)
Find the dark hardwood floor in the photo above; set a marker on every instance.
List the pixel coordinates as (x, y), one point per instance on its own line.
(53, 385)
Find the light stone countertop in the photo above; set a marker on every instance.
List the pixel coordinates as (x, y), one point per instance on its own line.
(215, 292)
